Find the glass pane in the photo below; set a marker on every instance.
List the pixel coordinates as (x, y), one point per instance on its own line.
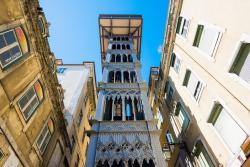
(10, 37)
(2, 42)
(5, 58)
(15, 52)
(31, 108)
(207, 41)
(42, 136)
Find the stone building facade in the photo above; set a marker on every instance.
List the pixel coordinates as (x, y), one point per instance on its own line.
(204, 83)
(32, 128)
(79, 86)
(124, 132)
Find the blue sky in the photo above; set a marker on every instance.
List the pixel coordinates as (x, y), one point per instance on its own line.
(74, 34)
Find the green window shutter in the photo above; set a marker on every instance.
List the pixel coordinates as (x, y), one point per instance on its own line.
(240, 58)
(198, 35)
(178, 108)
(186, 121)
(186, 78)
(166, 86)
(178, 25)
(172, 61)
(215, 113)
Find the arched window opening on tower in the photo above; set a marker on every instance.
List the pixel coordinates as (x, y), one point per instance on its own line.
(133, 77)
(124, 58)
(126, 38)
(112, 58)
(126, 77)
(129, 109)
(118, 58)
(118, 46)
(128, 46)
(139, 109)
(108, 109)
(118, 38)
(123, 47)
(148, 164)
(118, 109)
(113, 46)
(111, 77)
(114, 38)
(123, 39)
(130, 59)
(118, 77)
(116, 164)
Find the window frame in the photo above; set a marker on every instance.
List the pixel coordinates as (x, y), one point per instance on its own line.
(40, 133)
(11, 46)
(220, 101)
(182, 131)
(216, 43)
(177, 58)
(32, 86)
(206, 148)
(203, 85)
(180, 29)
(1, 153)
(245, 38)
(168, 86)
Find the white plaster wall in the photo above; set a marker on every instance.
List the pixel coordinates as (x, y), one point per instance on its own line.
(72, 80)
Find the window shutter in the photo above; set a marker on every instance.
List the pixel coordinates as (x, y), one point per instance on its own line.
(178, 108)
(241, 66)
(178, 25)
(186, 78)
(215, 113)
(198, 35)
(208, 40)
(230, 131)
(173, 58)
(192, 84)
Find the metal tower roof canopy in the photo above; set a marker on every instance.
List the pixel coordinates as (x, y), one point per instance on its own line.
(115, 25)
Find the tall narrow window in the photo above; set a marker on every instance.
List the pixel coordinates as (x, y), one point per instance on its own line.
(80, 118)
(227, 127)
(206, 39)
(45, 136)
(175, 62)
(1, 154)
(13, 44)
(182, 26)
(169, 92)
(182, 116)
(193, 84)
(30, 100)
(241, 65)
(202, 157)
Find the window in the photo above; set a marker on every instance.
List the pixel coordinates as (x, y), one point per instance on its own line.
(45, 136)
(80, 118)
(13, 45)
(30, 100)
(193, 84)
(73, 141)
(169, 92)
(182, 26)
(206, 38)
(202, 157)
(182, 116)
(175, 62)
(227, 127)
(41, 25)
(241, 65)
(60, 70)
(1, 154)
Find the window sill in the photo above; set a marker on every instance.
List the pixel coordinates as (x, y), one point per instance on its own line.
(239, 80)
(209, 57)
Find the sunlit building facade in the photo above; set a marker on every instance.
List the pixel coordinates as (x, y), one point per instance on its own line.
(124, 132)
(32, 128)
(204, 83)
(79, 87)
